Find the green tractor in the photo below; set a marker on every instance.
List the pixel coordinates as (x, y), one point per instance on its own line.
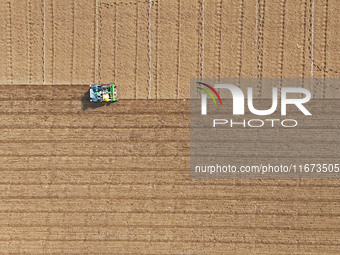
(103, 93)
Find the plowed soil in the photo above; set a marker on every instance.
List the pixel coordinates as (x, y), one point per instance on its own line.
(115, 179)
(80, 178)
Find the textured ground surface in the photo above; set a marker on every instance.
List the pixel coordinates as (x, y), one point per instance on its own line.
(115, 179)
(164, 44)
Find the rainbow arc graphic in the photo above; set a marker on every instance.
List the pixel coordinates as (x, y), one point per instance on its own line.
(209, 93)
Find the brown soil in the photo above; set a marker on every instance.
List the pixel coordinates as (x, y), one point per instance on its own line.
(114, 179)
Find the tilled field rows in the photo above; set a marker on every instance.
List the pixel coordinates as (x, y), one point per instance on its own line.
(115, 179)
(153, 48)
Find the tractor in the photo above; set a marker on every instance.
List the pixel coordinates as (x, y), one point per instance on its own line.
(103, 93)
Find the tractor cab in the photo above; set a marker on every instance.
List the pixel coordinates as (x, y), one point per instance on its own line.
(103, 93)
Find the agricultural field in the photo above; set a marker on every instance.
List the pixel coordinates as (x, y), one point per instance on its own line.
(84, 178)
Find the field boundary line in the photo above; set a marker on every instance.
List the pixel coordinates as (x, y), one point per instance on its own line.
(240, 38)
(325, 27)
(53, 41)
(178, 43)
(282, 39)
(115, 44)
(96, 43)
(219, 37)
(136, 50)
(73, 39)
(9, 42)
(44, 39)
(149, 50)
(29, 41)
